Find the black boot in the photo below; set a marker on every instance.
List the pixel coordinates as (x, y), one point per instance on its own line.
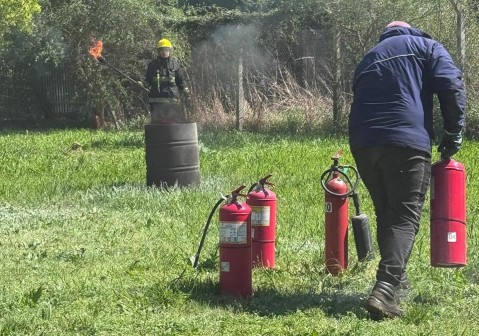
(404, 287)
(383, 301)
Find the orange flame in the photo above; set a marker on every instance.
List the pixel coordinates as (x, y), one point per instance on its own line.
(95, 50)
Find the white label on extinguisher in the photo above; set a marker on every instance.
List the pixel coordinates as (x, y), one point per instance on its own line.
(260, 215)
(225, 266)
(233, 232)
(451, 237)
(328, 207)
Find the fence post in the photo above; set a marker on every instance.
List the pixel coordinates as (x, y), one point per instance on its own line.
(240, 93)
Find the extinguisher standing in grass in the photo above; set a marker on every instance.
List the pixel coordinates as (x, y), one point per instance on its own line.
(448, 214)
(235, 245)
(338, 187)
(263, 223)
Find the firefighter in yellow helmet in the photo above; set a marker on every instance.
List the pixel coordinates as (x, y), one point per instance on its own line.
(165, 77)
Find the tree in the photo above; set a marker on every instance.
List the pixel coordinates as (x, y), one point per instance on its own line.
(17, 14)
(460, 11)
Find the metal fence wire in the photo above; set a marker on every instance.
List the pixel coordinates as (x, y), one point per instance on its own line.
(271, 73)
(53, 92)
(47, 94)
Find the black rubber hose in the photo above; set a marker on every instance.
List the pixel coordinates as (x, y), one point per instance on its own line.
(205, 231)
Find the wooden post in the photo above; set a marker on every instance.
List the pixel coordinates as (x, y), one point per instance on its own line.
(461, 36)
(336, 75)
(240, 94)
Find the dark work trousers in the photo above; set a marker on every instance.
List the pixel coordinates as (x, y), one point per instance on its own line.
(397, 179)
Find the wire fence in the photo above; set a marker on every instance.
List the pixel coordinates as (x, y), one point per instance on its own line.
(224, 73)
(51, 95)
(273, 75)
(55, 92)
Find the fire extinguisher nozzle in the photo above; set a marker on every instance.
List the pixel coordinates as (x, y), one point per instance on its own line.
(194, 261)
(362, 237)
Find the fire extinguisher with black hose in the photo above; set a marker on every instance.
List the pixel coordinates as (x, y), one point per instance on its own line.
(448, 214)
(338, 187)
(263, 222)
(235, 245)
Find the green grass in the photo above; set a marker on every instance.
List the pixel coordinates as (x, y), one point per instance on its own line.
(88, 249)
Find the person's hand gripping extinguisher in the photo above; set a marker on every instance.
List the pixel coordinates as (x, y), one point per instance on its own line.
(338, 186)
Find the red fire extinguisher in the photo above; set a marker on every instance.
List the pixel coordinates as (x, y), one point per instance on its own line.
(448, 214)
(338, 187)
(235, 245)
(263, 223)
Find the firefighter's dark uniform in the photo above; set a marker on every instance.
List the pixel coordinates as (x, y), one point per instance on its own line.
(165, 77)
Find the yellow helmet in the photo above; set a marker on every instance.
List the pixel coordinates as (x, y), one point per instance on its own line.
(164, 43)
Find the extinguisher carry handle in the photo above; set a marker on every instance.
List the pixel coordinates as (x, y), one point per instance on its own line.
(261, 183)
(339, 170)
(236, 192)
(264, 181)
(356, 173)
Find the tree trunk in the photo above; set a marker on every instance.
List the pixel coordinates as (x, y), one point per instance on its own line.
(460, 32)
(240, 95)
(336, 83)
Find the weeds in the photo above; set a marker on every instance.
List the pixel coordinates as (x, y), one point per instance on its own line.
(88, 249)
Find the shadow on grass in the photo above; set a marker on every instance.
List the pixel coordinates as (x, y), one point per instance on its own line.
(269, 302)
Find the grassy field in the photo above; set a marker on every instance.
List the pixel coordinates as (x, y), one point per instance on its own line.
(88, 249)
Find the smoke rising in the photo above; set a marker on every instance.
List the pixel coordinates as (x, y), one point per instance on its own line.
(218, 57)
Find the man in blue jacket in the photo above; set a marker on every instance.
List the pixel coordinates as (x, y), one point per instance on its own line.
(390, 135)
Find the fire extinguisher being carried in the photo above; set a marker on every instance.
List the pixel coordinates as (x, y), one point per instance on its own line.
(448, 214)
(338, 187)
(263, 222)
(235, 245)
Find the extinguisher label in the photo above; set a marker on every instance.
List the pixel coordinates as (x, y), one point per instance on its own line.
(225, 266)
(233, 232)
(451, 237)
(328, 207)
(260, 215)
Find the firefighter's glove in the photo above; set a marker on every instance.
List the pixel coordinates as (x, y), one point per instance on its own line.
(450, 144)
(186, 97)
(142, 86)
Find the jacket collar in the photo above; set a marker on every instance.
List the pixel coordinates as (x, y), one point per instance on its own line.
(398, 30)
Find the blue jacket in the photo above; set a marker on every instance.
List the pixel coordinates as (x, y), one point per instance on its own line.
(393, 89)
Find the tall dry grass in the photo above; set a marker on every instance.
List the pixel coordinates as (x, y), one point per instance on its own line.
(269, 103)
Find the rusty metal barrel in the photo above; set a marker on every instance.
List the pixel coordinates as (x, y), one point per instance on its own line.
(172, 154)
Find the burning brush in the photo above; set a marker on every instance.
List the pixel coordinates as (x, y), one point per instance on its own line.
(96, 50)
